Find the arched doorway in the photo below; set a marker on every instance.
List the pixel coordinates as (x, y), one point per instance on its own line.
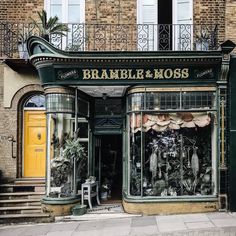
(34, 137)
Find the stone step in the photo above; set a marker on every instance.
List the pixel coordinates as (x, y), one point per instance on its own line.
(20, 210)
(26, 218)
(20, 202)
(22, 181)
(27, 187)
(22, 195)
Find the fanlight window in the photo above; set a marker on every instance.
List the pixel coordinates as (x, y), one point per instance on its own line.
(36, 101)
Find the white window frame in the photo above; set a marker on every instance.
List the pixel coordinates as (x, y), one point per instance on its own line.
(47, 7)
(175, 21)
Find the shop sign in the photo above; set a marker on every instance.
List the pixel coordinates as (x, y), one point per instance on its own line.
(124, 74)
(134, 74)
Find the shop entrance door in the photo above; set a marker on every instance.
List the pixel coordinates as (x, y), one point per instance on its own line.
(108, 166)
(34, 144)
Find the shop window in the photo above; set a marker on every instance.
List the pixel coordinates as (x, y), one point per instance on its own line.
(68, 143)
(172, 154)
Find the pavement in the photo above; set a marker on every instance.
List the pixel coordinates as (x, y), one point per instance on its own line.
(112, 221)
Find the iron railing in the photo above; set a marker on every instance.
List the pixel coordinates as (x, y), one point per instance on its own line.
(114, 37)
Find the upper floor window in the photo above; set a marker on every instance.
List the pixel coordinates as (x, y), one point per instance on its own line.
(68, 11)
(161, 24)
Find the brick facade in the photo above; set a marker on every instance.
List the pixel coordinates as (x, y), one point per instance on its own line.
(19, 11)
(110, 12)
(11, 125)
(210, 12)
(230, 20)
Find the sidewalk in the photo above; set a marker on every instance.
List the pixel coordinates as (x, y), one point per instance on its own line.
(122, 224)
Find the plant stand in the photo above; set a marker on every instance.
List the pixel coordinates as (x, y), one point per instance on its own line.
(88, 191)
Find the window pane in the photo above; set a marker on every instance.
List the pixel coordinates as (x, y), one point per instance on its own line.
(56, 2)
(83, 130)
(73, 13)
(56, 10)
(36, 101)
(135, 154)
(177, 162)
(73, 2)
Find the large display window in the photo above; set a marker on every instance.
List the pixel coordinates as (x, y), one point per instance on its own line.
(172, 139)
(67, 142)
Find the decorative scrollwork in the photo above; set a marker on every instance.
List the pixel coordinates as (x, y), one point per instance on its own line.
(116, 37)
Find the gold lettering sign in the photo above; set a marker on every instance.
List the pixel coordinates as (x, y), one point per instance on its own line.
(135, 74)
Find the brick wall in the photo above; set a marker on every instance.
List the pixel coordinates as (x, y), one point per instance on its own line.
(210, 12)
(230, 21)
(19, 10)
(110, 11)
(8, 127)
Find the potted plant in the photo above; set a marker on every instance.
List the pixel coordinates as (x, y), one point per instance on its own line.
(71, 159)
(47, 27)
(202, 41)
(22, 48)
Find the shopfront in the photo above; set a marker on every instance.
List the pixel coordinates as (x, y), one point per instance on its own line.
(150, 124)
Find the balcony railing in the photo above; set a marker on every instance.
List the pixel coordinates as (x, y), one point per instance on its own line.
(115, 37)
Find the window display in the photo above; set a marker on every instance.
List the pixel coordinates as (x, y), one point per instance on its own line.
(171, 152)
(67, 155)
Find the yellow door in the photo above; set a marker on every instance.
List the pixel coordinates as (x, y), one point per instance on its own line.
(34, 144)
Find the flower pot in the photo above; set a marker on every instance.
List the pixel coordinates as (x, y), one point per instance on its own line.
(202, 45)
(23, 53)
(104, 195)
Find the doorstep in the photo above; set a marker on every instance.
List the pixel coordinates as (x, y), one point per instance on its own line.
(103, 211)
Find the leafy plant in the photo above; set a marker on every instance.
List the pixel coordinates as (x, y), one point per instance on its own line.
(61, 167)
(49, 26)
(73, 150)
(202, 36)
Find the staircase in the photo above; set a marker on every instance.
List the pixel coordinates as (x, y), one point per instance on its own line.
(20, 201)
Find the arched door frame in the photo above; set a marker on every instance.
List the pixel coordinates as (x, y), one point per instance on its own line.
(20, 129)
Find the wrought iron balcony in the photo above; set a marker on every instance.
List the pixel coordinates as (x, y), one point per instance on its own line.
(113, 37)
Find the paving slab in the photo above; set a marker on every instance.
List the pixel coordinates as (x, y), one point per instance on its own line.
(143, 221)
(60, 233)
(90, 226)
(114, 231)
(194, 217)
(224, 222)
(117, 223)
(199, 225)
(87, 233)
(171, 226)
(219, 215)
(17, 231)
(63, 226)
(36, 230)
(144, 230)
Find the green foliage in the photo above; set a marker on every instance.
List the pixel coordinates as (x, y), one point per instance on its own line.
(50, 26)
(73, 149)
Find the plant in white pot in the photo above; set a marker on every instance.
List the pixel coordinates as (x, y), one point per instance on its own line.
(22, 46)
(49, 26)
(202, 41)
